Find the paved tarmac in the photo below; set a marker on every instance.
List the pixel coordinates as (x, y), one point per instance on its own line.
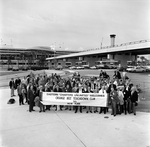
(5, 78)
(20, 128)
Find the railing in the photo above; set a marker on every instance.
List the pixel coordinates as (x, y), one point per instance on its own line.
(123, 44)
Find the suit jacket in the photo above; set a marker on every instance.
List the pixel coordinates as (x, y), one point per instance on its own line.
(134, 97)
(19, 90)
(12, 84)
(114, 96)
(17, 82)
(127, 94)
(31, 95)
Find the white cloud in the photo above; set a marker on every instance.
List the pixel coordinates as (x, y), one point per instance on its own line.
(77, 23)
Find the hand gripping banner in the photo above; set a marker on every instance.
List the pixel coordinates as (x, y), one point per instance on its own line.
(75, 99)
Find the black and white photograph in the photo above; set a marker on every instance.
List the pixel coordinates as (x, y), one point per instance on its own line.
(74, 73)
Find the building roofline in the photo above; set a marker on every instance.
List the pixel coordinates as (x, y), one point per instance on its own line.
(121, 48)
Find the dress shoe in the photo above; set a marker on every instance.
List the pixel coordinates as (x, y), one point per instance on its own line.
(33, 110)
(86, 111)
(91, 111)
(134, 113)
(75, 112)
(40, 111)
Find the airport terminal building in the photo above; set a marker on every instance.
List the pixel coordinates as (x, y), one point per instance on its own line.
(11, 57)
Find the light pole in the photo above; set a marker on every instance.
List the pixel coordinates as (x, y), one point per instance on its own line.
(54, 56)
(53, 48)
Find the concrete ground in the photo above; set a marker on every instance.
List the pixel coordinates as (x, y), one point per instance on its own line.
(19, 128)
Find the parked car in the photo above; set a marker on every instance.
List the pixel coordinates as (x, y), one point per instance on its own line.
(79, 67)
(36, 68)
(106, 67)
(112, 66)
(10, 68)
(15, 69)
(136, 69)
(72, 67)
(23, 68)
(100, 66)
(147, 68)
(67, 66)
(86, 66)
(93, 67)
(59, 67)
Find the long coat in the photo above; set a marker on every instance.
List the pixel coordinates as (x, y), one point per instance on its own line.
(30, 95)
(12, 84)
(134, 97)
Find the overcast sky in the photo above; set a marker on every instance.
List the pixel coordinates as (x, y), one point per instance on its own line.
(73, 24)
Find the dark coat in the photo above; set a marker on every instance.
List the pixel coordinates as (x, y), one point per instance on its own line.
(134, 97)
(109, 88)
(68, 90)
(12, 84)
(31, 95)
(17, 82)
(126, 94)
(118, 75)
(114, 96)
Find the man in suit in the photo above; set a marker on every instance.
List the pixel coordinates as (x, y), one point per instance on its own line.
(31, 97)
(17, 82)
(114, 100)
(12, 86)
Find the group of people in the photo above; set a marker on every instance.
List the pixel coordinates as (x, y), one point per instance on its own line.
(122, 93)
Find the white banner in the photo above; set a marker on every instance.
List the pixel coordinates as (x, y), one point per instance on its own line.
(77, 99)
